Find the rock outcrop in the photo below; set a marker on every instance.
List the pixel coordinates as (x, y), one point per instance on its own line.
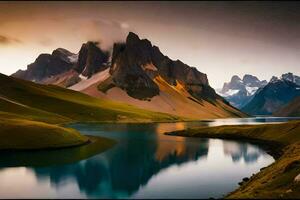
(91, 59)
(47, 65)
(136, 63)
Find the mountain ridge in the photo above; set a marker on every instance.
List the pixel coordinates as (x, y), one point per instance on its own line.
(140, 73)
(240, 91)
(274, 96)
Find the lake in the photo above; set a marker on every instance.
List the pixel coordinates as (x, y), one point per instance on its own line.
(144, 163)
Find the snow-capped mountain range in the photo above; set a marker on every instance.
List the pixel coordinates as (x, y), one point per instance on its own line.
(276, 95)
(240, 91)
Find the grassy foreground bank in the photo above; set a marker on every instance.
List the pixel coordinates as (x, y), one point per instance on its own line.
(279, 180)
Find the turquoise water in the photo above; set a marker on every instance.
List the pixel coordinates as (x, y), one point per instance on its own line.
(144, 163)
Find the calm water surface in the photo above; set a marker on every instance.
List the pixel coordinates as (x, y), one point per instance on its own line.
(144, 164)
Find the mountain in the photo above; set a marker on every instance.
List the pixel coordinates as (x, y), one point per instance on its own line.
(276, 94)
(47, 65)
(292, 109)
(64, 68)
(139, 74)
(240, 91)
(91, 59)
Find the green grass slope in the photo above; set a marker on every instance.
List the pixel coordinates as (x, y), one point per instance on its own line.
(55, 103)
(275, 181)
(20, 134)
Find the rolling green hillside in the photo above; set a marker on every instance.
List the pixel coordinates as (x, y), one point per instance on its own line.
(26, 134)
(54, 104)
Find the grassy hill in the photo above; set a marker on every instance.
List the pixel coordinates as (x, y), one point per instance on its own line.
(275, 181)
(50, 103)
(25, 134)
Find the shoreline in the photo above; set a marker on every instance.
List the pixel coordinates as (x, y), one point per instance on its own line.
(277, 180)
(55, 156)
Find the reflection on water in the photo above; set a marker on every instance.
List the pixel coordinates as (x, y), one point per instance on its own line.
(144, 164)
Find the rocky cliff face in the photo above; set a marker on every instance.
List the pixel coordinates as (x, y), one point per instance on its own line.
(64, 68)
(291, 77)
(91, 59)
(136, 63)
(47, 65)
(240, 91)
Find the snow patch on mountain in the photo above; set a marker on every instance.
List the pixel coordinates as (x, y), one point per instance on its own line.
(251, 90)
(240, 91)
(73, 58)
(98, 77)
(82, 77)
(230, 92)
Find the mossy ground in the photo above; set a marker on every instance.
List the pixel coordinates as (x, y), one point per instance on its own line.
(276, 180)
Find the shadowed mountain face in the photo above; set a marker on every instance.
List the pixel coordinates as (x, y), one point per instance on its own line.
(65, 68)
(91, 59)
(240, 91)
(274, 96)
(136, 62)
(292, 109)
(47, 65)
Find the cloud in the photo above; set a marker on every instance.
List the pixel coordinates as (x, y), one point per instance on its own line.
(4, 40)
(105, 31)
(46, 41)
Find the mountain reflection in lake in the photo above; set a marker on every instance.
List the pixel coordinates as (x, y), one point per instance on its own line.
(144, 164)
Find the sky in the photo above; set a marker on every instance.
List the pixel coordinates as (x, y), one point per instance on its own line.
(220, 39)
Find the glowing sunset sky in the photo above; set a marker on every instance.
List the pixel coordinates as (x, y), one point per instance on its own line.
(219, 38)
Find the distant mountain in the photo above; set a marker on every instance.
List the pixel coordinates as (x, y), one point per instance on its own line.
(240, 91)
(65, 68)
(274, 96)
(140, 75)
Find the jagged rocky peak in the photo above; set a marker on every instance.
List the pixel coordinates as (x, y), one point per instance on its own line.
(240, 91)
(139, 62)
(253, 81)
(235, 83)
(65, 55)
(291, 77)
(274, 79)
(127, 72)
(47, 65)
(273, 96)
(236, 78)
(91, 59)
